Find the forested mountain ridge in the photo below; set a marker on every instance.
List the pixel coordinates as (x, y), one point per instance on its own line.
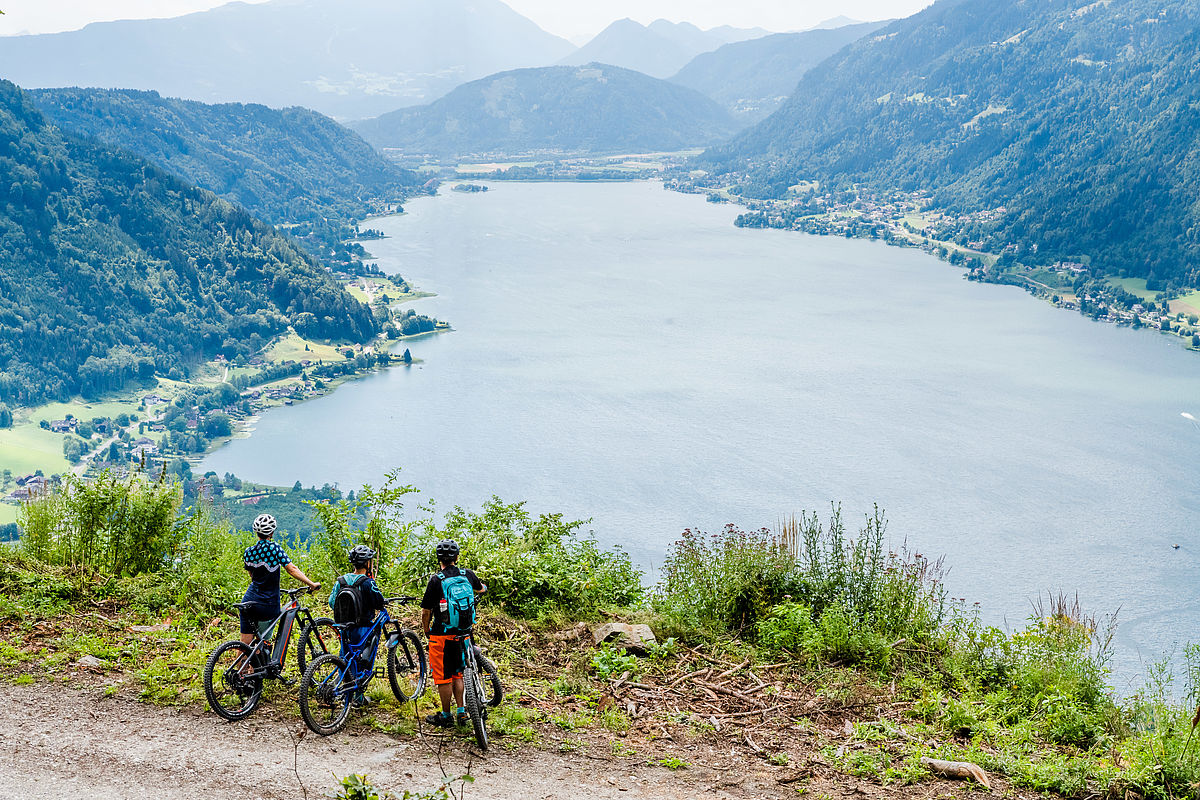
(286, 166)
(346, 58)
(752, 78)
(596, 108)
(112, 270)
(1077, 127)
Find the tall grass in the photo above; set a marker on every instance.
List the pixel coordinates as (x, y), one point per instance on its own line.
(805, 576)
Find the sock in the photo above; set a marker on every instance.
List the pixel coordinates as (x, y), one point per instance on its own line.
(462, 710)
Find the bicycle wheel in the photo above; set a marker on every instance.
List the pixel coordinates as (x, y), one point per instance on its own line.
(316, 639)
(493, 692)
(229, 693)
(407, 667)
(473, 689)
(324, 696)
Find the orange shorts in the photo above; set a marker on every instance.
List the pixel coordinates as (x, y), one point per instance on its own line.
(445, 659)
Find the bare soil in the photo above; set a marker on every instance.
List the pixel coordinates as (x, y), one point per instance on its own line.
(59, 741)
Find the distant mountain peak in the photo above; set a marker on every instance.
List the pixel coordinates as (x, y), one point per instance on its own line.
(344, 58)
(839, 21)
(659, 49)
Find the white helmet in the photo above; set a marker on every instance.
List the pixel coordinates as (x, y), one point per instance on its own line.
(264, 525)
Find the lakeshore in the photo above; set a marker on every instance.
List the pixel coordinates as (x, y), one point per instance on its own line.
(907, 219)
(130, 430)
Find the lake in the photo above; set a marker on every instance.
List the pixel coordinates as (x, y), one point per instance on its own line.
(624, 353)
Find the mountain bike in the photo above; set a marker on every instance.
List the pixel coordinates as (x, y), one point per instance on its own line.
(479, 694)
(332, 682)
(234, 673)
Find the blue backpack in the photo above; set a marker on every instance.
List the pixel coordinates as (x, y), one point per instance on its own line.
(460, 601)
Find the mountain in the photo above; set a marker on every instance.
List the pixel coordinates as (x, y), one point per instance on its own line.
(596, 108)
(344, 58)
(753, 78)
(112, 269)
(658, 50)
(839, 21)
(286, 166)
(1075, 127)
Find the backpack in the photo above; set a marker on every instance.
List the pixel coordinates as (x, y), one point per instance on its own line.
(460, 601)
(348, 603)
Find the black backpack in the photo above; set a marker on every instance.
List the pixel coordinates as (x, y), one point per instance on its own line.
(348, 603)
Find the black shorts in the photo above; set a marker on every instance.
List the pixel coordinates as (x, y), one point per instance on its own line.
(252, 615)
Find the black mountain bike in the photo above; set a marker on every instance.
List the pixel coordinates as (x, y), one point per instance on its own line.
(331, 682)
(481, 687)
(234, 674)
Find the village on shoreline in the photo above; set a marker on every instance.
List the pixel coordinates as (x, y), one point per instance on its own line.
(167, 427)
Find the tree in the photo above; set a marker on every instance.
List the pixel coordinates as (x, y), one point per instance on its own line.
(407, 356)
(6, 417)
(1196, 340)
(217, 424)
(297, 487)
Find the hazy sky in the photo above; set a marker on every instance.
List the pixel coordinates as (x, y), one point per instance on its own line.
(569, 18)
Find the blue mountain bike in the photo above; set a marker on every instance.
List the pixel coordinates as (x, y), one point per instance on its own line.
(332, 682)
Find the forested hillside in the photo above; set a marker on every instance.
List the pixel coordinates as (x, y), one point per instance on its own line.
(596, 108)
(1075, 126)
(286, 166)
(112, 269)
(753, 78)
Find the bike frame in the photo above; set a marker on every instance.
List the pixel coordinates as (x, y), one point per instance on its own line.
(282, 625)
(360, 665)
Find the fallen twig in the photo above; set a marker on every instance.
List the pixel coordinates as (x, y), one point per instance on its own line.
(962, 770)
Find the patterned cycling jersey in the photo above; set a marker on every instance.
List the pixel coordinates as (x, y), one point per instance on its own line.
(263, 561)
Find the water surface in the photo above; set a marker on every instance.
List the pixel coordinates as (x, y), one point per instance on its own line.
(624, 353)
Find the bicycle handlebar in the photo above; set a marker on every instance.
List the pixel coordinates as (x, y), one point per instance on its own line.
(400, 598)
(294, 593)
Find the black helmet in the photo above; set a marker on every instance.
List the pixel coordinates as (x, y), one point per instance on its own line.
(447, 550)
(360, 554)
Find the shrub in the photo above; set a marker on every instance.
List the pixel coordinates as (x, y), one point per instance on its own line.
(111, 526)
(532, 566)
(724, 582)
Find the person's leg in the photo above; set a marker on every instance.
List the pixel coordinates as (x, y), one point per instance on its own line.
(447, 694)
(437, 668)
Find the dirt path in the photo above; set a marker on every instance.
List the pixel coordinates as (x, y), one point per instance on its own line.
(69, 742)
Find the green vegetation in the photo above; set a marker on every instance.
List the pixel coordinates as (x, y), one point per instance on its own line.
(289, 165)
(595, 108)
(1063, 133)
(820, 610)
(115, 271)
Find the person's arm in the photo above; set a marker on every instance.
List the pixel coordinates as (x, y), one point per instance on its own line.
(426, 620)
(295, 572)
(479, 586)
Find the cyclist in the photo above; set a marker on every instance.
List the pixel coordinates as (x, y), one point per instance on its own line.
(263, 561)
(369, 601)
(445, 654)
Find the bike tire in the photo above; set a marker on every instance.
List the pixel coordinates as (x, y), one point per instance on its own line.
(315, 640)
(229, 694)
(324, 701)
(493, 692)
(407, 667)
(473, 689)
